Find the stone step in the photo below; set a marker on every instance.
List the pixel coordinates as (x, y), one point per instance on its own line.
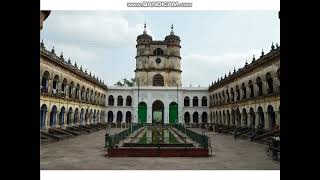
(53, 136)
(62, 134)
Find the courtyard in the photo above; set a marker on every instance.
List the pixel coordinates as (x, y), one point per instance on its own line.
(86, 152)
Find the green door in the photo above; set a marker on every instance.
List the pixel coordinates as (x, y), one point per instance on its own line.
(173, 113)
(142, 112)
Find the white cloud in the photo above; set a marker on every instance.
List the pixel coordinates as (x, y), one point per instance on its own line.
(95, 28)
(203, 69)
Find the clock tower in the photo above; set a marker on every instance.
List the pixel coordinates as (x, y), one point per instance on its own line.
(158, 62)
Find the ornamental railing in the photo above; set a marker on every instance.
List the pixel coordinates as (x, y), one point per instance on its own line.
(112, 140)
(201, 139)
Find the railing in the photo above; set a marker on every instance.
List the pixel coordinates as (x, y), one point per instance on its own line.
(201, 139)
(112, 140)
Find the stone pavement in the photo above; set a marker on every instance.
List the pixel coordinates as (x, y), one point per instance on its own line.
(86, 153)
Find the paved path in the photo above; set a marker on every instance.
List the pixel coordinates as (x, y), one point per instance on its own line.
(86, 152)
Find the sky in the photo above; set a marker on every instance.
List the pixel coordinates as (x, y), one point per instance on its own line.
(212, 42)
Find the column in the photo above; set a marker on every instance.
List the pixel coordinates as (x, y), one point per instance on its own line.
(266, 120)
(242, 120)
(277, 118)
(47, 125)
(50, 86)
(264, 87)
(257, 119)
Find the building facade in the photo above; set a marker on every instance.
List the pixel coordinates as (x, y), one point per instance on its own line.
(249, 97)
(68, 95)
(150, 104)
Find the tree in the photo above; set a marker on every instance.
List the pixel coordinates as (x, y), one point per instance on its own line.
(126, 82)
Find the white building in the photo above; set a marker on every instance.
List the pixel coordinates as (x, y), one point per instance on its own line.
(158, 95)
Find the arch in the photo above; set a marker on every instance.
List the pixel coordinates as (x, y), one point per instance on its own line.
(271, 117)
(186, 101)
(269, 80)
(259, 86)
(228, 95)
(69, 116)
(71, 89)
(55, 82)
(232, 94)
(233, 122)
(251, 90)
(204, 117)
(244, 91)
(220, 117)
(91, 95)
(44, 81)
(252, 117)
(261, 118)
(128, 117)
(204, 101)
(110, 100)
(77, 91)
(86, 116)
(195, 117)
(90, 116)
(142, 112)
(238, 93)
(120, 101)
(158, 112)
(158, 52)
(228, 117)
(186, 117)
(119, 117)
(244, 117)
(53, 116)
(158, 80)
(110, 117)
(83, 93)
(195, 101)
(76, 116)
(238, 117)
(128, 101)
(223, 117)
(173, 113)
(61, 115)
(63, 85)
(43, 114)
(82, 116)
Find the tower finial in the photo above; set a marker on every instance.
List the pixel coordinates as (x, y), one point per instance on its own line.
(171, 32)
(145, 30)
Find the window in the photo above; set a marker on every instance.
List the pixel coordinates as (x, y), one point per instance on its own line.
(204, 101)
(186, 101)
(158, 80)
(158, 52)
(120, 101)
(195, 101)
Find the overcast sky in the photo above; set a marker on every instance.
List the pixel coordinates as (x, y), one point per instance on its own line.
(212, 42)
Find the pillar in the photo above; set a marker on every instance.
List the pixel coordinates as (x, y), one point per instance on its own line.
(277, 118)
(47, 125)
(50, 86)
(266, 120)
(257, 119)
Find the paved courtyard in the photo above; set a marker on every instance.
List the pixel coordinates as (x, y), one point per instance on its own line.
(86, 153)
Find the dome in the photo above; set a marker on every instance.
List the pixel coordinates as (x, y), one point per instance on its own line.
(144, 36)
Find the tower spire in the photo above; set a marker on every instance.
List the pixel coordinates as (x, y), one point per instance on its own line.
(171, 33)
(144, 30)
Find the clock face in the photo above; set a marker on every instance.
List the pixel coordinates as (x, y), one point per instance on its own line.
(158, 60)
